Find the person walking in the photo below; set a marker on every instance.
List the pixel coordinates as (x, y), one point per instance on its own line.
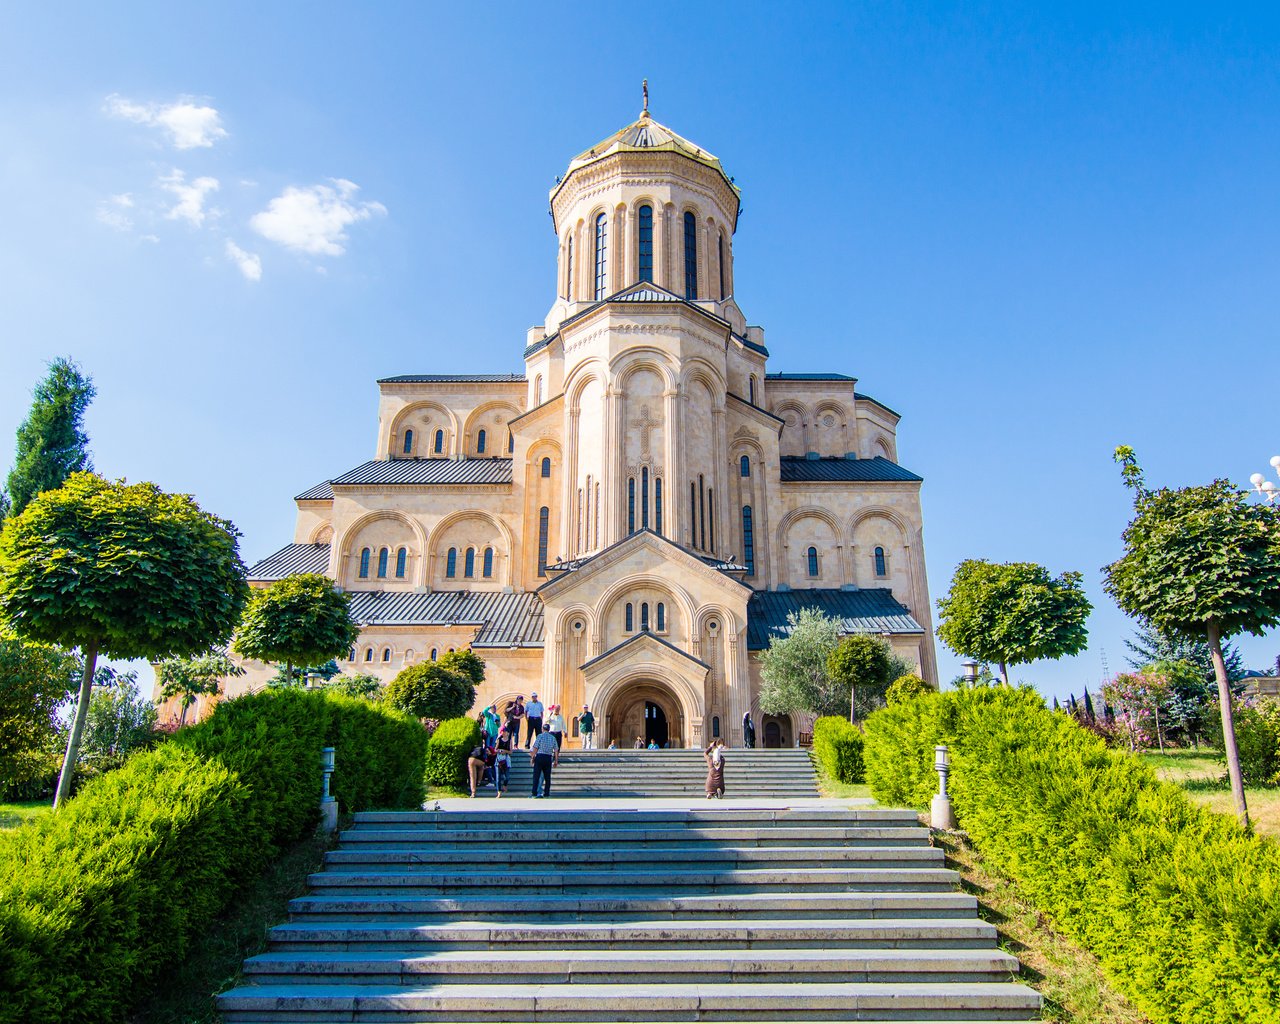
(714, 755)
(502, 758)
(555, 722)
(748, 731)
(475, 766)
(587, 728)
(543, 755)
(533, 711)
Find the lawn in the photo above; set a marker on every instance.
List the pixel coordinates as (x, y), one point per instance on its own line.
(1203, 777)
(15, 814)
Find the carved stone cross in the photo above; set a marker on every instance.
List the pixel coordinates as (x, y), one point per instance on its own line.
(646, 423)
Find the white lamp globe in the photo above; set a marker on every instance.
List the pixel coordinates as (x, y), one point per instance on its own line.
(1275, 462)
(1256, 479)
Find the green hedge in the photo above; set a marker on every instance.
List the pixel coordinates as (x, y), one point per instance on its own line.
(1178, 903)
(838, 746)
(447, 752)
(97, 900)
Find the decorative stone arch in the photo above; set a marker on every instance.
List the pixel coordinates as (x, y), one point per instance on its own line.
(462, 515)
(806, 419)
(700, 370)
(884, 448)
(583, 374)
(797, 723)
(345, 548)
(879, 512)
(841, 414)
(473, 426)
(688, 699)
(322, 534)
(571, 613)
(398, 426)
(619, 589)
(789, 520)
(642, 357)
(886, 515)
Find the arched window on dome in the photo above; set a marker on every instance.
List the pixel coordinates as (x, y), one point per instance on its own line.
(629, 616)
(488, 563)
(546, 468)
(480, 442)
(382, 563)
(657, 504)
(882, 568)
(644, 617)
(690, 255)
(720, 261)
(544, 520)
(402, 560)
(469, 567)
(408, 442)
(645, 242)
(744, 466)
(662, 617)
(364, 563)
(568, 276)
(813, 562)
(439, 446)
(451, 563)
(602, 256)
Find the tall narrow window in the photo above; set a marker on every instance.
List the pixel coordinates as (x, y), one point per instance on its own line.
(368, 654)
(813, 561)
(402, 563)
(602, 256)
(881, 568)
(702, 514)
(480, 440)
(744, 466)
(451, 563)
(751, 389)
(544, 520)
(435, 653)
(715, 726)
(597, 522)
(644, 497)
(587, 519)
(662, 617)
(657, 503)
(546, 467)
(568, 265)
(511, 442)
(631, 505)
(711, 506)
(488, 563)
(646, 243)
(364, 563)
(537, 390)
(690, 256)
(629, 625)
(386, 654)
(720, 261)
(693, 514)
(382, 563)
(748, 541)
(408, 441)
(644, 617)
(439, 442)
(577, 539)
(469, 565)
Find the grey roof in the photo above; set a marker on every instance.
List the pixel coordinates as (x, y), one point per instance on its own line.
(454, 378)
(798, 469)
(320, 492)
(859, 611)
(646, 294)
(875, 401)
(504, 619)
(291, 559)
(636, 639)
(429, 471)
(756, 346)
(808, 376)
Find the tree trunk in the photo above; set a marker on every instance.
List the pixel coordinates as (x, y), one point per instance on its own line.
(1159, 738)
(1214, 636)
(1004, 672)
(182, 718)
(77, 725)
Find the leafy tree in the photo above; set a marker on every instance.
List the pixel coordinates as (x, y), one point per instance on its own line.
(52, 443)
(793, 670)
(1141, 697)
(124, 570)
(1013, 613)
(193, 677)
(5, 505)
(1151, 645)
(299, 620)
(467, 662)
(1202, 562)
(368, 687)
(34, 680)
(301, 675)
(120, 721)
(431, 690)
(909, 686)
(863, 665)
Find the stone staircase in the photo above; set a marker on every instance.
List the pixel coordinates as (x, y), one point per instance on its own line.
(560, 914)
(755, 774)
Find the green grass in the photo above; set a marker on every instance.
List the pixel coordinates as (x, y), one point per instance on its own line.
(1204, 778)
(828, 786)
(14, 814)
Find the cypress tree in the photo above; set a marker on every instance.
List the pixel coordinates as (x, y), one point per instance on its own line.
(1088, 706)
(52, 443)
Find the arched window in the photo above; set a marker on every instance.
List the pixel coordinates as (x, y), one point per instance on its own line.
(751, 389)
(710, 539)
(575, 727)
(568, 275)
(644, 497)
(544, 519)
(629, 625)
(631, 505)
(434, 653)
(720, 261)
(480, 440)
(451, 563)
(662, 617)
(364, 563)
(382, 563)
(715, 726)
(386, 654)
(511, 442)
(368, 654)
(690, 255)
(408, 441)
(439, 447)
(646, 243)
(537, 390)
(602, 256)
(657, 503)
(351, 655)
(488, 563)
(546, 467)
(402, 559)
(644, 617)
(744, 466)
(748, 541)
(881, 567)
(813, 561)
(469, 566)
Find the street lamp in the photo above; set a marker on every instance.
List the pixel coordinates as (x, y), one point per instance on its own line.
(940, 815)
(969, 672)
(1265, 489)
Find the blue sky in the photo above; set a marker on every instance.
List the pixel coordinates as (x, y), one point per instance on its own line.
(1035, 234)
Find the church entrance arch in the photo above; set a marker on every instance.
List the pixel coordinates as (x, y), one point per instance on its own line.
(646, 710)
(777, 731)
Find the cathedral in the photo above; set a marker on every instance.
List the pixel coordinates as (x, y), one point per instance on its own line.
(626, 523)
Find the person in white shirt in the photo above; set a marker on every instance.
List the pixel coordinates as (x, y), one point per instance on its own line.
(533, 715)
(556, 724)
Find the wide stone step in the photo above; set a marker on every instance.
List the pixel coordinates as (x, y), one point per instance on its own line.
(712, 816)
(651, 838)
(705, 856)
(958, 1001)
(820, 933)
(549, 966)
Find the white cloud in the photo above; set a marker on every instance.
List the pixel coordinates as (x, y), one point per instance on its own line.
(250, 264)
(191, 197)
(189, 124)
(314, 219)
(111, 212)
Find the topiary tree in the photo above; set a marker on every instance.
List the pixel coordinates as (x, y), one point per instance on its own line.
(300, 620)
(191, 678)
(432, 690)
(1013, 613)
(467, 662)
(124, 570)
(1200, 561)
(908, 687)
(862, 665)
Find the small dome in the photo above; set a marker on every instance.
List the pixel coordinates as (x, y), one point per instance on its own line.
(646, 135)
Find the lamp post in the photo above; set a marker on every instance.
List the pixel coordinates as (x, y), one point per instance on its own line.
(940, 815)
(969, 672)
(1265, 489)
(328, 805)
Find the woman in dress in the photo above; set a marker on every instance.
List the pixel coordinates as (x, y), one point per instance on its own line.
(714, 755)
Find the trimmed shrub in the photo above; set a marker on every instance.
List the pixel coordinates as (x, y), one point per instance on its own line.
(433, 690)
(838, 746)
(447, 752)
(97, 900)
(1181, 906)
(906, 687)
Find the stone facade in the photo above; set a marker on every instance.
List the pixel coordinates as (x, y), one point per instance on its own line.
(618, 525)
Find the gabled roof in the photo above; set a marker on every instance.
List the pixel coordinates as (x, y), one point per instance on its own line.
(639, 637)
(289, 560)
(455, 378)
(858, 611)
(874, 401)
(504, 619)
(562, 570)
(428, 471)
(799, 469)
(320, 492)
(643, 291)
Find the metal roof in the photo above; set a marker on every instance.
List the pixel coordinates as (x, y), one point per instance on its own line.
(504, 619)
(859, 611)
(429, 471)
(808, 376)
(454, 378)
(798, 469)
(756, 346)
(875, 401)
(320, 492)
(643, 634)
(291, 559)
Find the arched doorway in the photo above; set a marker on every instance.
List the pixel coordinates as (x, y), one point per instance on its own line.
(644, 711)
(777, 731)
